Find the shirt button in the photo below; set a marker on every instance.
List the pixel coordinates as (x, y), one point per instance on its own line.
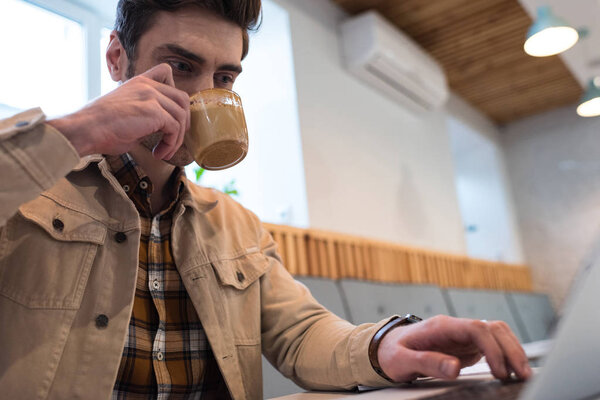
(58, 224)
(160, 356)
(240, 276)
(21, 124)
(143, 185)
(120, 237)
(126, 188)
(101, 321)
(155, 284)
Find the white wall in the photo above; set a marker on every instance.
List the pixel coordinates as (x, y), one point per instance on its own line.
(484, 195)
(554, 166)
(372, 168)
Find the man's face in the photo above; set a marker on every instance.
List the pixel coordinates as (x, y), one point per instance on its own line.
(203, 49)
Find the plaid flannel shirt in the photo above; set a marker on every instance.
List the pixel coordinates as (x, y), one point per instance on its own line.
(166, 353)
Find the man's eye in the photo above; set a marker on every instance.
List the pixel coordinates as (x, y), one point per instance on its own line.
(224, 79)
(180, 66)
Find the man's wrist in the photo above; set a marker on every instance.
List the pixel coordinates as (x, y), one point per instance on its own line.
(378, 338)
(72, 128)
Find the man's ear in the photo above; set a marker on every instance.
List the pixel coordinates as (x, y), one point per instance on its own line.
(116, 59)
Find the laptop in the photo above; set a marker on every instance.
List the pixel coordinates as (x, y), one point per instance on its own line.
(571, 369)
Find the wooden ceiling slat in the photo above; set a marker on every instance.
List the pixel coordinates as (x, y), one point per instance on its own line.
(508, 32)
(506, 114)
(436, 13)
(530, 98)
(551, 90)
(500, 82)
(476, 60)
(479, 43)
(506, 20)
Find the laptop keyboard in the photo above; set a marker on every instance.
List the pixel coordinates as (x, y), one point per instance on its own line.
(488, 390)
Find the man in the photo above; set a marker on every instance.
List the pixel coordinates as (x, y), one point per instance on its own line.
(120, 278)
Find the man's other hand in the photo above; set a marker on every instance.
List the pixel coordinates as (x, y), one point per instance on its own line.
(117, 121)
(442, 345)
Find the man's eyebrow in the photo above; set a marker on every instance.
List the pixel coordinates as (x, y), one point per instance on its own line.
(173, 48)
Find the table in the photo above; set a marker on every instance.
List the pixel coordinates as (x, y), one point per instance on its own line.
(417, 390)
(425, 387)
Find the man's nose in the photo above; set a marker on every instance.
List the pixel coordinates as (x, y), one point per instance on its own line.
(204, 82)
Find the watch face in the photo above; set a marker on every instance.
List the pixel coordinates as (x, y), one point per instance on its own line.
(411, 319)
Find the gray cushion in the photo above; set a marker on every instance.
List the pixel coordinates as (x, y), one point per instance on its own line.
(275, 384)
(371, 301)
(482, 304)
(534, 314)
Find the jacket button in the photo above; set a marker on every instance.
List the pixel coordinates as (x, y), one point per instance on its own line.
(120, 237)
(101, 321)
(58, 224)
(143, 185)
(240, 276)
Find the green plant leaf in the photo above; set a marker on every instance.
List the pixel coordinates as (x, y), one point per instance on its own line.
(199, 171)
(230, 189)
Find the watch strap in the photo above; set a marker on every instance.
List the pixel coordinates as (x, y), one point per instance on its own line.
(408, 319)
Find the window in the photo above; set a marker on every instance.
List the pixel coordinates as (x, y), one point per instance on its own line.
(34, 70)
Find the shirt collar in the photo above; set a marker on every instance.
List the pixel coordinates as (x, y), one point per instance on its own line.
(187, 189)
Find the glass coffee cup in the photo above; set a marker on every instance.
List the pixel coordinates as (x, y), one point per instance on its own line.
(218, 135)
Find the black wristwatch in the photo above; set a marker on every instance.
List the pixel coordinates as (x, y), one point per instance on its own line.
(374, 345)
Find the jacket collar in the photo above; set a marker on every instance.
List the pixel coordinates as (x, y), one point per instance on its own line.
(200, 199)
(87, 160)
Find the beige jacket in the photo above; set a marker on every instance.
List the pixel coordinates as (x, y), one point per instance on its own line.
(56, 278)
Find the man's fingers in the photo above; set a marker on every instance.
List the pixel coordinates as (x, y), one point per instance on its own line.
(431, 363)
(485, 341)
(171, 129)
(161, 73)
(181, 115)
(513, 352)
(178, 96)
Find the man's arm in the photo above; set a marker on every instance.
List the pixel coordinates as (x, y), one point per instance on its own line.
(34, 155)
(320, 351)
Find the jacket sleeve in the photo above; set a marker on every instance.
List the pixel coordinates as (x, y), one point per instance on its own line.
(306, 342)
(33, 157)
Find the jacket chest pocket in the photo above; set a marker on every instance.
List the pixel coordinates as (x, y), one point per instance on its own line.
(46, 253)
(240, 284)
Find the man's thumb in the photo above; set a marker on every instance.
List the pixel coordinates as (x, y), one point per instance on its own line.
(438, 365)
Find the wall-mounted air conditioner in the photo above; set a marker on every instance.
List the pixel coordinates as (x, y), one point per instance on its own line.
(380, 54)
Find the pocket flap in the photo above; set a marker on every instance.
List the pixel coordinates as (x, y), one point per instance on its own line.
(241, 272)
(62, 223)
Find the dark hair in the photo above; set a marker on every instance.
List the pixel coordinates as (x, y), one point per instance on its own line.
(134, 18)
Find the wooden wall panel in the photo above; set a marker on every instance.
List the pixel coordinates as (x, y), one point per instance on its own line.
(332, 255)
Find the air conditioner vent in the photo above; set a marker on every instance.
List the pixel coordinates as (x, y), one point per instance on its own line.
(381, 55)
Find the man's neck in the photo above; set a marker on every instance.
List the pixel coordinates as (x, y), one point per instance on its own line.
(159, 173)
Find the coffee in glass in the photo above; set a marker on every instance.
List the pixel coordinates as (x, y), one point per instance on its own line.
(218, 135)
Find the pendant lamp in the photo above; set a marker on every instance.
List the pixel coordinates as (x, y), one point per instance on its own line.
(549, 34)
(589, 106)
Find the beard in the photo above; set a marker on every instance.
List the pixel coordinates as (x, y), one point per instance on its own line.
(182, 156)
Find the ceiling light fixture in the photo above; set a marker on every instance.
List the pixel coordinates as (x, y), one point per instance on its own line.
(589, 106)
(549, 34)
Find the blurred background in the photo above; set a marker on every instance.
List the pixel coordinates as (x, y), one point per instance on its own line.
(426, 125)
